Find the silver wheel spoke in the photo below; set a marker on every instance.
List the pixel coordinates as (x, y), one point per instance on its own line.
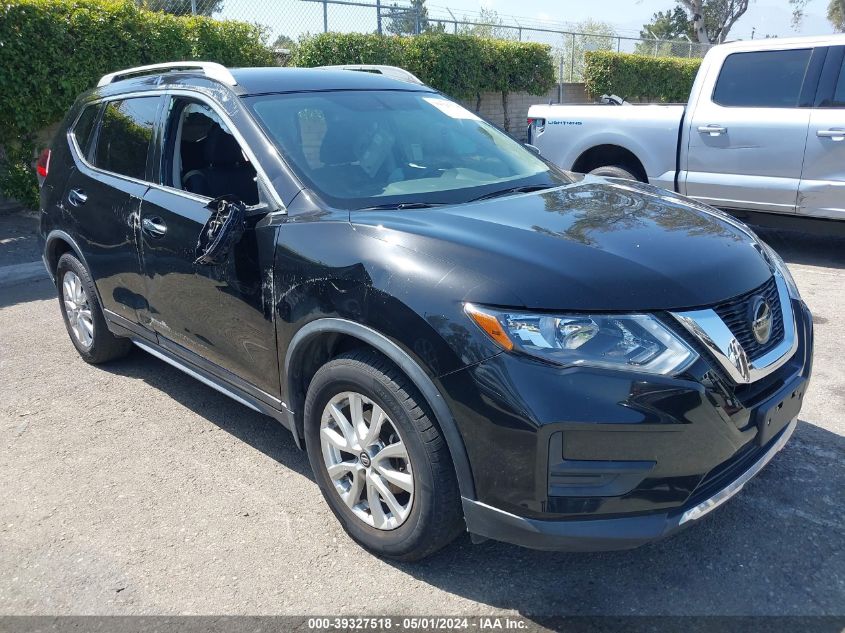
(396, 451)
(337, 471)
(376, 420)
(343, 424)
(402, 480)
(396, 508)
(335, 439)
(379, 518)
(352, 496)
(356, 413)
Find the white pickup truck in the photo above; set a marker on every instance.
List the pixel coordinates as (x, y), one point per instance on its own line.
(763, 131)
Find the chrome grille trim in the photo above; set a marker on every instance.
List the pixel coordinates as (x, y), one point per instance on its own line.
(708, 327)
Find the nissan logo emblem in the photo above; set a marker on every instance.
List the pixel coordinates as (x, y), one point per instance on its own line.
(761, 320)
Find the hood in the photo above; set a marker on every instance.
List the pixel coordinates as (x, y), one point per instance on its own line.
(592, 245)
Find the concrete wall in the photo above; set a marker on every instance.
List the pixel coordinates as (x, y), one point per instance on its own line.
(519, 102)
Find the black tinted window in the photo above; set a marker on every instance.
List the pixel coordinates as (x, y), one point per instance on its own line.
(125, 133)
(768, 79)
(839, 94)
(84, 127)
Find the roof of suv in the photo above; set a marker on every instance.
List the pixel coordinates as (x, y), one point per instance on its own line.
(269, 79)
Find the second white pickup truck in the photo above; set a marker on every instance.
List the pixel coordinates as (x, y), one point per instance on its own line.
(763, 131)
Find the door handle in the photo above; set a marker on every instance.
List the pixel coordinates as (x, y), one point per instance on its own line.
(154, 227)
(712, 130)
(77, 197)
(833, 135)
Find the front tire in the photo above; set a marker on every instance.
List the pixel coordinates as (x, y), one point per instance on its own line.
(379, 459)
(83, 315)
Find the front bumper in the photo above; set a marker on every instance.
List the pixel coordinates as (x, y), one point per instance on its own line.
(606, 534)
(578, 459)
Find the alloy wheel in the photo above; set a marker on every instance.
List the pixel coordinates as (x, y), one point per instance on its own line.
(366, 460)
(77, 309)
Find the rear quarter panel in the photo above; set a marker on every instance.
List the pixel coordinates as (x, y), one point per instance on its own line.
(650, 132)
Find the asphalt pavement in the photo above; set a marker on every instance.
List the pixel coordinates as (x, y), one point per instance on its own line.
(131, 488)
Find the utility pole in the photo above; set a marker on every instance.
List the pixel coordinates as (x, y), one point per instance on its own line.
(325, 16)
(378, 16)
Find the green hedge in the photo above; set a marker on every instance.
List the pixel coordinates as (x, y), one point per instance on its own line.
(665, 79)
(462, 66)
(52, 50)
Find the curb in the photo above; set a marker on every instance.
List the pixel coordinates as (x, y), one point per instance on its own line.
(22, 273)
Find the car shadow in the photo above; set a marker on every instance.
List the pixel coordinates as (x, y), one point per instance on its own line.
(255, 429)
(812, 249)
(778, 548)
(26, 291)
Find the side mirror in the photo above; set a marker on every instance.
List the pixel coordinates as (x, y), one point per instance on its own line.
(532, 148)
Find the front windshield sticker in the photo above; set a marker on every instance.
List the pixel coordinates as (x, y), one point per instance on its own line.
(450, 108)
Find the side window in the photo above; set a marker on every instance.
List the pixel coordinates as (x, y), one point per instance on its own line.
(126, 129)
(84, 127)
(203, 157)
(839, 93)
(765, 79)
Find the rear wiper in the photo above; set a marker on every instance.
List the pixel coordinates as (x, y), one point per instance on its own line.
(504, 192)
(402, 205)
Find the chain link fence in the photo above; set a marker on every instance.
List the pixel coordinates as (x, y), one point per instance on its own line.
(288, 20)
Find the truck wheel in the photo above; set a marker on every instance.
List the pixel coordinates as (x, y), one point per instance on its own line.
(613, 171)
(380, 461)
(83, 317)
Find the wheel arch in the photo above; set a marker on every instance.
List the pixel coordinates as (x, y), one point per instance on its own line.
(610, 154)
(325, 330)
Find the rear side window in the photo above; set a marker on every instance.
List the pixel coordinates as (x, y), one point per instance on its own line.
(765, 79)
(839, 93)
(85, 127)
(126, 129)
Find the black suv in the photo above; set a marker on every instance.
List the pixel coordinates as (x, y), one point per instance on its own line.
(461, 335)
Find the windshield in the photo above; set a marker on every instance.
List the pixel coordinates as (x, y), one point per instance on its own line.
(382, 148)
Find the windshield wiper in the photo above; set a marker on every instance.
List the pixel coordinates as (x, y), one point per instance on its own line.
(402, 205)
(509, 190)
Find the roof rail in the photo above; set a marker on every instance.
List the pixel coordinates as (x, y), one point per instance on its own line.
(394, 72)
(211, 70)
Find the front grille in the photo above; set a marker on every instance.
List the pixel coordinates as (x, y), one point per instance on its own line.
(735, 314)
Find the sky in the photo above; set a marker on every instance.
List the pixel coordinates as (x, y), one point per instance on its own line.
(297, 17)
(766, 17)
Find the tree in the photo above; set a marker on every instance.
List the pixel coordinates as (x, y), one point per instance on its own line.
(183, 7)
(489, 24)
(590, 35)
(712, 20)
(836, 15)
(284, 41)
(407, 20)
(668, 25)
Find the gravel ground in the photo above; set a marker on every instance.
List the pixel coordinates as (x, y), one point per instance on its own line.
(18, 238)
(133, 489)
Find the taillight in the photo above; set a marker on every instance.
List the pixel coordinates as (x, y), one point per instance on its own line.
(42, 166)
(538, 124)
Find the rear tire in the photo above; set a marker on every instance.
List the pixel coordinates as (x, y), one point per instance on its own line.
(83, 315)
(613, 171)
(424, 513)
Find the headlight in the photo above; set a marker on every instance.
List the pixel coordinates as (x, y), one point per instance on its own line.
(636, 342)
(776, 262)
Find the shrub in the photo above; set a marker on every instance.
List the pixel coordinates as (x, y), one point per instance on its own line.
(665, 79)
(52, 50)
(461, 66)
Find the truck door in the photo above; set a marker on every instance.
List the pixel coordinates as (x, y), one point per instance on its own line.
(748, 130)
(822, 188)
